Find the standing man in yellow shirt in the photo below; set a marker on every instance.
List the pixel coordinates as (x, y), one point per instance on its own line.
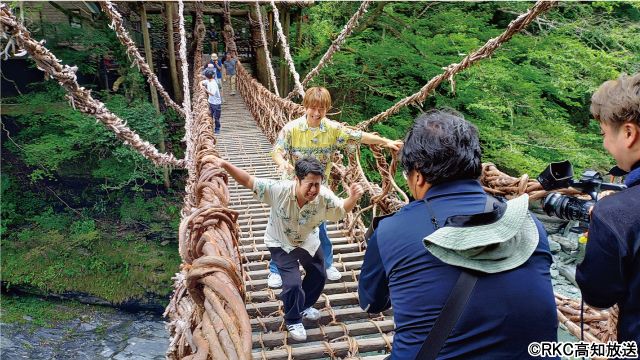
(316, 136)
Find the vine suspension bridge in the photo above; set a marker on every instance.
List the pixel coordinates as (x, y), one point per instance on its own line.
(222, 307)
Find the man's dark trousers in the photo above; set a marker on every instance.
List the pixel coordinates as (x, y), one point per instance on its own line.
(298, 295)
(216, 111)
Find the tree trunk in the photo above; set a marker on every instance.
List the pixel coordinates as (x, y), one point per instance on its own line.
(148, 55)
(270, 31)
(285, 20)
(262, 74)
(299, 31)
(154, 93)
(171, 49)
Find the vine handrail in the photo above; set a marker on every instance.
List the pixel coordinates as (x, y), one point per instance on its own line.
(484, 52)
(80, 97)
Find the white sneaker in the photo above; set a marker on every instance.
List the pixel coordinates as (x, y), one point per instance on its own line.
(311, 313)
(333, 273)
(297, 332)
(274, 281)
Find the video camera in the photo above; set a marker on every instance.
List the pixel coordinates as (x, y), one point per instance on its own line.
(560, 175)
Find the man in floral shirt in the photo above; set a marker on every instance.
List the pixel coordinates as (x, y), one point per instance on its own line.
(316, 136)
(298, 207)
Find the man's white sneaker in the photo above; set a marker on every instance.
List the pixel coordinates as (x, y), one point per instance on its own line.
(297, 331)
(333, 273)
(274, 280)
(311, 313)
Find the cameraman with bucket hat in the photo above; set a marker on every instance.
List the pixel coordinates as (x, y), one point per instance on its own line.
(467, 275)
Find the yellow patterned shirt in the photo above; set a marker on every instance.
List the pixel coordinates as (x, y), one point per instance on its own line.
(297, 140)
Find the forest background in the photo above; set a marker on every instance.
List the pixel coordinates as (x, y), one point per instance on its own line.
(82, 213)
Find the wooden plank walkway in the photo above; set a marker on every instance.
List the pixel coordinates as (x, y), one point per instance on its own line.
(343, 330)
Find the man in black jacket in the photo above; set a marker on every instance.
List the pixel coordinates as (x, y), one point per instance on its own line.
(610, 272)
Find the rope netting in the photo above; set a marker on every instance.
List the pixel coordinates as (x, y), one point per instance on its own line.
(208, 317)
(79, 97)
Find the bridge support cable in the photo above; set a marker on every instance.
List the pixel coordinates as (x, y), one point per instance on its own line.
(335, 46)
(265, 46)
(186, 102)
(484, 52)
(285, 47)
(207, 314)
(134, 54)
(79, 97)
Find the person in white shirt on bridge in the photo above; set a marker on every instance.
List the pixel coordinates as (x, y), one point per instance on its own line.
(298, 207)
(215, 99)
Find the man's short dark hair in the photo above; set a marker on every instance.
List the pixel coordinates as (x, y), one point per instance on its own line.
(443, 147)
(308, 165)
(208, 73)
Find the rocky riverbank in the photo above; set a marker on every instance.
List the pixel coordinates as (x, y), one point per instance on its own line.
(99, 333)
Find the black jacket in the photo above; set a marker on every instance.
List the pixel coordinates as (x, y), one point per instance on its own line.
(610, 272)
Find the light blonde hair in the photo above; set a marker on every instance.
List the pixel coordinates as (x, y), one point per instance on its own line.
(317, 97)
(617, 101)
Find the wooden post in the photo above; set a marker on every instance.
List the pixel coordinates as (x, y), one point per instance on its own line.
(262, 74)
(270, 32)
(299, 30)
(154, 92)
(171, 49)
(148, 54)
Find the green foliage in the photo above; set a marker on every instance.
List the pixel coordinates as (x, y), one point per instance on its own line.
(538, 84)
(40, 312)
(57, 254)
(84, 47)
(153, 217)
(8, 206)
(60, 141)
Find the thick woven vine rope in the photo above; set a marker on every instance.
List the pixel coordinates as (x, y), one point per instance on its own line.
(272, 75)
(207, 314)
(285, 46)
(335, 46)
(484, 52)
(80, 97)
(132, 51)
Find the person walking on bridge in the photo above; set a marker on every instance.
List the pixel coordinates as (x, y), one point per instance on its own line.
(216, 64)
(315, 135)
(230, 65)
(215, 99)
(298, 207)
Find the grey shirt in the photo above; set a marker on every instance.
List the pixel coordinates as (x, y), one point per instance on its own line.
(230, 66)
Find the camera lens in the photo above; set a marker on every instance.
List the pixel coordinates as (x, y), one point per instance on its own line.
(567, 207)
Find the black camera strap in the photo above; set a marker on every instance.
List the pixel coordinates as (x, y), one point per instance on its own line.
(457, 301)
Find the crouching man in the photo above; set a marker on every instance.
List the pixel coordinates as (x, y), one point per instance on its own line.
(298, 207)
